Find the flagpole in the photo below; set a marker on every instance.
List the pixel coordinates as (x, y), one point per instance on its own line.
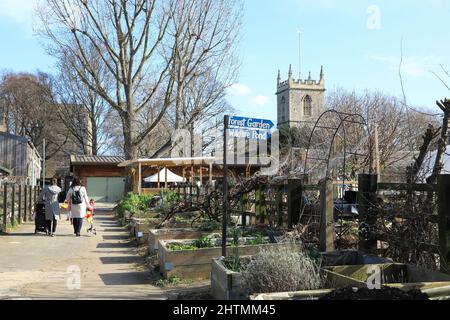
(300, 54)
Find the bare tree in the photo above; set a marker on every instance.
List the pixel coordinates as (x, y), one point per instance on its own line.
(400, 132)
(30, 112)
(84, 113)
(139, 43)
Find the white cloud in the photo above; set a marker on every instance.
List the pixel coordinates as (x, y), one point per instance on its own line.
(239, 89)
(19, 10)
(260, 101)
(413, 66)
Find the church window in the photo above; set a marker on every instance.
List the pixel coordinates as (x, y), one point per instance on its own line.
(283, 109)
(307, 106)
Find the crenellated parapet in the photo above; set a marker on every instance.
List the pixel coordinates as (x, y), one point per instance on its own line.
(301, 84)
(300, 101)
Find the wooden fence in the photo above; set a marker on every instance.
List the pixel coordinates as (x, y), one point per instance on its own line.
(17, 204)
(286, 203)
(367, 195)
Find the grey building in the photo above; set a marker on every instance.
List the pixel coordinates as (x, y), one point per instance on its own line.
(20, 159)
(300, 102)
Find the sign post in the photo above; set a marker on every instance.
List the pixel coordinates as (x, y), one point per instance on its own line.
(239, 127)
(226, 122)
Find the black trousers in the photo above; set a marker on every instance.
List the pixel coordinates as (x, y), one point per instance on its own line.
(50, 227)
(77, 225)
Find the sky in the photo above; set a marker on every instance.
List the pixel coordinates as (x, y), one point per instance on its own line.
(357, 41)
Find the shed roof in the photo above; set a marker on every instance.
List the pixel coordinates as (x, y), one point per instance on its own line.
(95, 160)
(168, 162)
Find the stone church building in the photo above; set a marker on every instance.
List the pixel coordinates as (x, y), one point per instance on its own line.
(300, 102)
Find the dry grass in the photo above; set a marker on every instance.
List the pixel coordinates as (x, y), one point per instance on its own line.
(281, 269)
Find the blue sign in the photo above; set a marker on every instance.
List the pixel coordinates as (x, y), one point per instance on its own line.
(250, 123)
(249, 128)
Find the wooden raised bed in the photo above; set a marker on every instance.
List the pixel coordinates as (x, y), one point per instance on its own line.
(405, 277)
(225, 284)
(140, 229)
(196, 264)
(155, 235)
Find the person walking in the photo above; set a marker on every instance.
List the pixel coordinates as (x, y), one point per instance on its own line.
(49, 196)
(78, 203)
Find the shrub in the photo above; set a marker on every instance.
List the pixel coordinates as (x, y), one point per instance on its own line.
(282, 269)
(134, 204)
(171, 197)
(211, 225)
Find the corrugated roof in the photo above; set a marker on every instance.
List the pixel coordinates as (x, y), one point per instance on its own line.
(96, 159)
(168, 161)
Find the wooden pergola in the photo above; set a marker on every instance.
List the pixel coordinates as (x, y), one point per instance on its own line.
(190, 169)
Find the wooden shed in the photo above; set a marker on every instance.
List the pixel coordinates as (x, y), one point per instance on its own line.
(104, 180)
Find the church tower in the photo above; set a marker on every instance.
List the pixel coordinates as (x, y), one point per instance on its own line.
(300, 102)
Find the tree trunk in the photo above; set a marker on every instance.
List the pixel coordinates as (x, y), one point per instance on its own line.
(94, 139)
(130, 149)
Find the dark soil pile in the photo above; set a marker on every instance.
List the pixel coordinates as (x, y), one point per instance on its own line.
(386, 294)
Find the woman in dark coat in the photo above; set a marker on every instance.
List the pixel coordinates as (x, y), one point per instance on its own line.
(49, 196)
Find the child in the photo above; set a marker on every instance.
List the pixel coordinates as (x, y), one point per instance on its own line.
(90, 217)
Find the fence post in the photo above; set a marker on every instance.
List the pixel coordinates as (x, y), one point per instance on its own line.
(244, 208)
(258, 203)
(295, 191)
(35, 193)
(367, 198)
(30, 189)
(20, 205)
(25, 204)
(5, 205)
(327, 233)
(443, 191)
(279, 205)
(13, 204)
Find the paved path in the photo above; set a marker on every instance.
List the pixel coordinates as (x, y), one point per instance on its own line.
(108, 267)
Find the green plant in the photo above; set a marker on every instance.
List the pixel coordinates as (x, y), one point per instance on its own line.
(181, 247)
(281, 269)
(210, 225)
(171, 197)
(134, 204)
(204, 242)
(233, 263)
(172, 281)
(236, 234)
(257, 240)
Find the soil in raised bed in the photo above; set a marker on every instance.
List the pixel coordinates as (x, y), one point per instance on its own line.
(386, 294)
